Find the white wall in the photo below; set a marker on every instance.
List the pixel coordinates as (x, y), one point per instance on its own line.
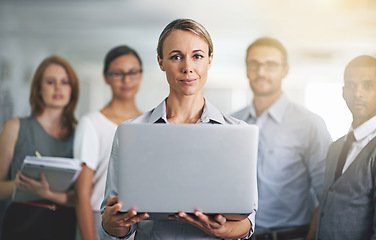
(321, 37)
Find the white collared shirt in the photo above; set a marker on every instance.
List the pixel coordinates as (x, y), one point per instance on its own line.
(292, 150)
(363, 135)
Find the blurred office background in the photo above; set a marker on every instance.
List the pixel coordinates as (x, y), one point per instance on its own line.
(321, 37)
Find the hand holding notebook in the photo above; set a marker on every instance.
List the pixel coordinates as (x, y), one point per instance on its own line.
(60, 174)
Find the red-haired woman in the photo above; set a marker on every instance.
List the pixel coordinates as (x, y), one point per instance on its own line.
(48, 131)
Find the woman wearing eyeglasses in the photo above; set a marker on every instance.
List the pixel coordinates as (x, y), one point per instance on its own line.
(185, 54)
(95, 132)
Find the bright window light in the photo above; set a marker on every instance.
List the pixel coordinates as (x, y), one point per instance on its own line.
(326, 100)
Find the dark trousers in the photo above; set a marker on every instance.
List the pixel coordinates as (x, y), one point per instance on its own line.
(24, 221)
(284, 234)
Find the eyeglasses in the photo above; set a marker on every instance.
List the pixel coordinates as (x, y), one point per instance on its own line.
(119, 76)
(269, 66)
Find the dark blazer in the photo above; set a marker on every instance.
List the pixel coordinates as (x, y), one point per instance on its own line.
(347, 206)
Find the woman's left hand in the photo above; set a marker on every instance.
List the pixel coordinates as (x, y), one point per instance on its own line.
(214, 225)
(41, 187)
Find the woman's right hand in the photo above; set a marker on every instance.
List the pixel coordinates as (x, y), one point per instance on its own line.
(42, 188)
(38, 187)
(118, 223)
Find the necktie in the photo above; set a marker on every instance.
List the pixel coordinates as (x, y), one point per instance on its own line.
(345, 150)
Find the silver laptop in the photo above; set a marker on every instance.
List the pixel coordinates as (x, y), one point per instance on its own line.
(167, 168)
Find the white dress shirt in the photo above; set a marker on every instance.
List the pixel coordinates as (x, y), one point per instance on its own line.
(363, 135)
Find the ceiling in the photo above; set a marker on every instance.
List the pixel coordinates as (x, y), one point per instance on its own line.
(310, 29)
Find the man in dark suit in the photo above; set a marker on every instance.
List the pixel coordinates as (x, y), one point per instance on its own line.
(347, 204)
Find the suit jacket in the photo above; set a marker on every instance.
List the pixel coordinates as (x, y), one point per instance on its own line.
(347, 206)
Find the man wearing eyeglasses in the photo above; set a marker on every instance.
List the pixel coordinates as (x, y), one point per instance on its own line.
(292, 147)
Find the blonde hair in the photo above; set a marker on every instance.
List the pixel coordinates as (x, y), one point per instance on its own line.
(185, 25)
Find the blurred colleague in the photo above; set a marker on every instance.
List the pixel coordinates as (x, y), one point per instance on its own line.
(348, 203)
(292, 147)
(185, 54)
(95, 132)
(49, 131)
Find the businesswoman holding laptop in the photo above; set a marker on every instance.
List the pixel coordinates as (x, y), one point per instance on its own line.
(185, 54)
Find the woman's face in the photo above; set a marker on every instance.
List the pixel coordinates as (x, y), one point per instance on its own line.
(55, 87)
(124, 76)
(186, 62)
